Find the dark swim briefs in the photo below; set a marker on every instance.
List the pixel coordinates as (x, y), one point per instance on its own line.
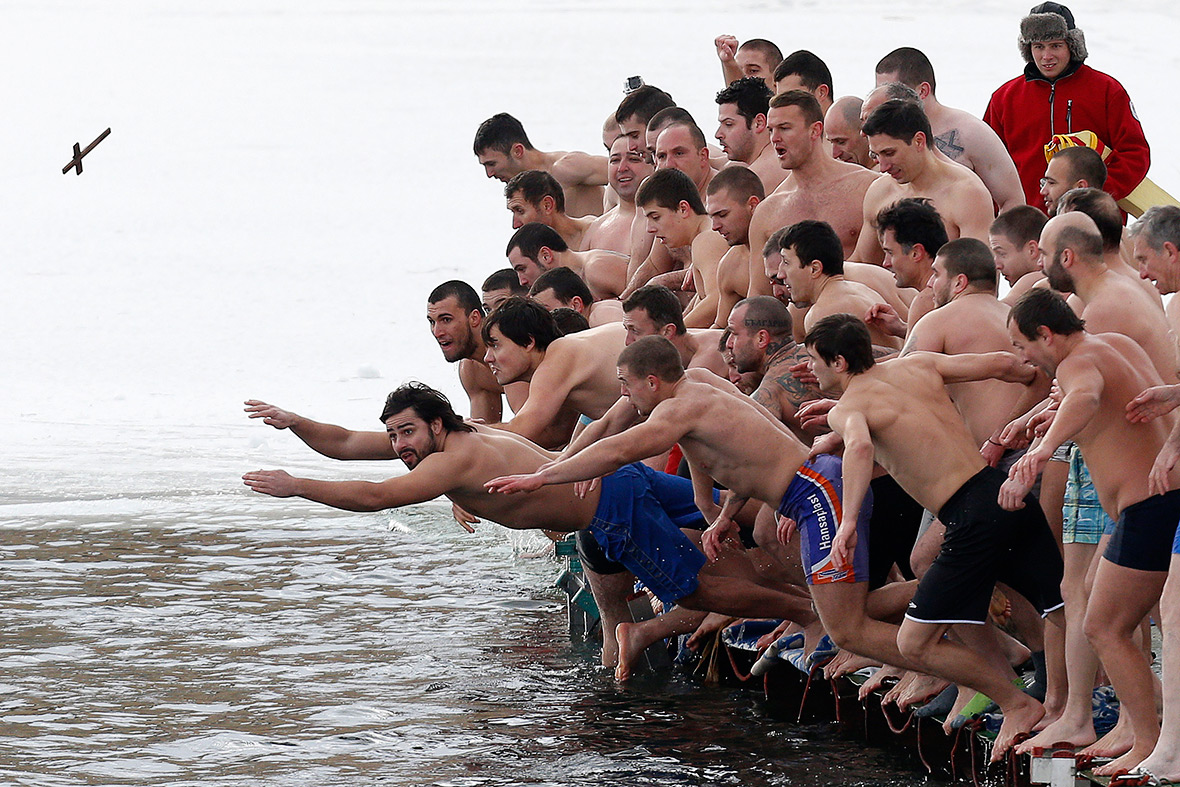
(1145, 533)
(983, 544)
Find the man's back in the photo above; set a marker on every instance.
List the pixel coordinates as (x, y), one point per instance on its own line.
(840, 296)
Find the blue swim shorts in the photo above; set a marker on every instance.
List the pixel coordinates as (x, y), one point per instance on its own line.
(813, 501)
(1145, 534)
(637, 523)
(1083, 520)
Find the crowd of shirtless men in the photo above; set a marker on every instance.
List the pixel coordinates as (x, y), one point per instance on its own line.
(872, 444)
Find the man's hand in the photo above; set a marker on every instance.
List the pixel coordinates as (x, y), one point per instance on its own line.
(717, 535)
(727, 47)
(991, 451)
(844, 546)
(276, 483)
(814, 414)
(786, 529)
(511, 484)
(1157, 479)
(583, 488)
(829, 443)
(1021, 479)
(271, 415)
(886, 318)
(1153, 403)
(464, 518)
(802, 372)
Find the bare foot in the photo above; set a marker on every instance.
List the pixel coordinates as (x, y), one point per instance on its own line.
(766, 640)
(1018, 720)
(965, 695)
(921, 690)
(712, 623)
(1131, 759)
(879, 679)
(1114, 743)
(1065, 731)
(1163, 766)
(894, 694)
(631, 648)
(845, 663)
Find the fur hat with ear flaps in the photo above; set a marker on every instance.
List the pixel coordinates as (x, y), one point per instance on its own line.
(1051, 22)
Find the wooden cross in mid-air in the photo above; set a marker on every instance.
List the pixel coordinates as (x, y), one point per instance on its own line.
(76, 163)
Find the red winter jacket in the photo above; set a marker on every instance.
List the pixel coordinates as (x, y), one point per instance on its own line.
(1028, 110)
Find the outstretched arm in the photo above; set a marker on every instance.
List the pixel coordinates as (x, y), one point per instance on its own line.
(426, 482)
(968, 367)
(334, 442)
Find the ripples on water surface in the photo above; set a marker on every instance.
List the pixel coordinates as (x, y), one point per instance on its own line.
(327, 648)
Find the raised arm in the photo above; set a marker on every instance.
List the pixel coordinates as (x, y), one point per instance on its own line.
(334, 442)
(727, 47)
(969, 367)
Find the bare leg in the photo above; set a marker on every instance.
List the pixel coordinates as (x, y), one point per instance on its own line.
(634, 638)
(610, 594)
(924, 644)
(1075, 726)
(1120, 599)
(1164, 762)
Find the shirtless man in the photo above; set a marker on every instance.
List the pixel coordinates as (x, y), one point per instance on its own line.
(1071, 168)
(499, 287)
(559, 288)
(959, 135)
(653, 310)
(842, 132)
(899, 135)
(725, 437)
(803, 70)
(882, 406)
(635, 111)
(683, 146)
(637, 511)
(732, 198)
(1099, 375)
(755, 58)
(677, 218)
(761, 341)
(819, 186)
(615, 229)
(573, 374)
(503, 150)
(1102, 208)
(1155, 240)
(536, 196)
(910, 232)
(1015, 238)
(1072, 260)
(742, 130)
(536, 248)
(812, 268)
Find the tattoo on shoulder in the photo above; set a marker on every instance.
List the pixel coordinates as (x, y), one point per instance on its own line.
(949, 145)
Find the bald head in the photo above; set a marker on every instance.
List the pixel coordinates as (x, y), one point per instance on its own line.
(886, 92)
(1074, 231)
(842, 130)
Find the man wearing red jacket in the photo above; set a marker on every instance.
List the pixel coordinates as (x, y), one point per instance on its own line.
(1059, 94)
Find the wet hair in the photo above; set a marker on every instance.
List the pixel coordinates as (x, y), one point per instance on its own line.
(694, 133)
(811, 70)
(769, 50)
(521, 320)
(653, 355)
(427, 403)
(1084, 164)
(532, 237)
(661, 305)
(569, 321)
(807, 103)
(1099, 206)
(842, 335)
(666, 117)
(534, 185)
(766, 313)
(500, 132)
(911, 66)
(774, 244)
(643, 104)
(1020, 224)
(565, 283)
(899, 119)
(750, 95)
(504, 279)
(668, 188)
(1042, 306)
(1158, 225)
(914, 220)
(972, 258)
(462, 292)
(815, 240)
(741, 183)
